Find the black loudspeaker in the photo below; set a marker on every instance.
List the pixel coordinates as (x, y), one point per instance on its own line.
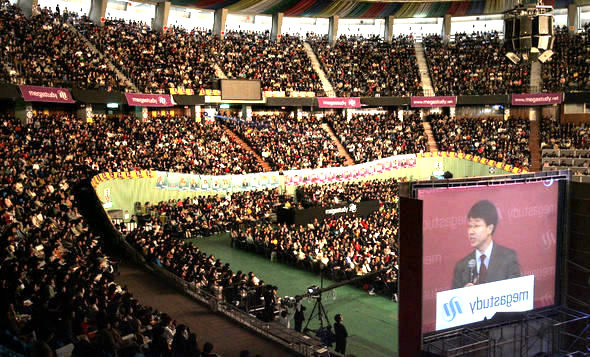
(509, 34)
(525, 26)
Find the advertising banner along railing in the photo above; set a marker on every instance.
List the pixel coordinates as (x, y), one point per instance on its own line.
(149, 100)
(46, 94)
(433, 102)
(338, 103)
(537, 99)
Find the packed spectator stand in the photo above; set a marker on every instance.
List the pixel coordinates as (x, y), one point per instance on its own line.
(57, 284)
(287, 142)
(369, 137)
(359, 66)
(566, 146)
(281, 65)
(473, 64)
(501, 140)
(45, 51)
(569, 67)
(155, 61)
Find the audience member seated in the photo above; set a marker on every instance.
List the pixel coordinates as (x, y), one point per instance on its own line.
(155, 61)
(369, 137)
(281, 65)
(370, 67)
(569, 67)
(568, 136)
(288, 143)
(473, 65)
(44, 51)
(500, 140)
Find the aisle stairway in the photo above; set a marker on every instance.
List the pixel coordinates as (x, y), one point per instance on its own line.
(341, 150)
(432, 146)
(423, 68)
(535, 146)
(219, 72)
(317, 67)
(120, 75)
(536, 84)
(245, 146)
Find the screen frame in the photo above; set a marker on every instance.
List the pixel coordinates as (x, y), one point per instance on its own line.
(221, 84)
(563, 178)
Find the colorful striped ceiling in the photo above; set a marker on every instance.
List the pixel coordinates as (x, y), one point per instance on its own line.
(358, 9)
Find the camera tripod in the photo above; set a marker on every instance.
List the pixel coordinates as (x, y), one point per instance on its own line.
(321, 310)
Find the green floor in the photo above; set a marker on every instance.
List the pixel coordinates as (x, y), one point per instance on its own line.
(371, 321)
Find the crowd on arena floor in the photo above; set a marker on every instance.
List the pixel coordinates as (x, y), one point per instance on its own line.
(569, 67)
(327, 195)
(288, 143)
(154, 61)
(44, 50)
(474, 64)
(343, 247)
(369, 137)
(56, 282)
(501, 140)
(281, 65)
(358, 66)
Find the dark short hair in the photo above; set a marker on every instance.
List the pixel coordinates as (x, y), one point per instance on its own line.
(485, 210)
(338, 318)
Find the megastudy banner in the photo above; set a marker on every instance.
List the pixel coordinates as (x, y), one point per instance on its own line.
(149, 100)
(325, 102)
(46, 94)
(433, 102)
(537, 99)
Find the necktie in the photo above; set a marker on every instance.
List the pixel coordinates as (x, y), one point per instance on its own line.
(483, 270)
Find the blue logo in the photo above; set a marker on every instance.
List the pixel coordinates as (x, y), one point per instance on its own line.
(452, 309)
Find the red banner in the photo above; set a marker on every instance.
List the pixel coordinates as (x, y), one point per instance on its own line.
(537, 99)
(46, 94)
(433, 102)
(353, 102)
(149, 100)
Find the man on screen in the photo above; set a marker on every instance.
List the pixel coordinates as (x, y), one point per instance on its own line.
(489, 261)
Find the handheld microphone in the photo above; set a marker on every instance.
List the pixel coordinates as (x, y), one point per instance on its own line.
(471, 265)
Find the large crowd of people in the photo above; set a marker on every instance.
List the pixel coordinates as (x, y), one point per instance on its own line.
(344, 247)
(358, 66)
(474, 64)
(327, 195)
(369, 137)
(56, 282)
(281, 65)
(567, 136)
(289, 143)
(166, 143)
(155, 61)
(568, 68)
(44, 50)
(501, 140)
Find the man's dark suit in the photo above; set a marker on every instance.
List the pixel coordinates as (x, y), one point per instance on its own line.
(503, 265)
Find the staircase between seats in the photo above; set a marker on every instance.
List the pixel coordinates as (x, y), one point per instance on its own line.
(317, 67)
(423, 69)
(341, 149)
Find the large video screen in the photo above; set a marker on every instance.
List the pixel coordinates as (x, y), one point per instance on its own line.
(487, 249)
(240, 89)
